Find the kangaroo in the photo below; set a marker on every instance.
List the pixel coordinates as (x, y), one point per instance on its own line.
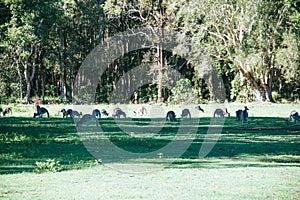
(199, 108)
(242, 114)
(104, 112)
(186, 113)
(40, 111)
(220, 113)
(71, 113)
(76, 113)
(86, 120)
(7, 111)
(66, 112)
(171, 116)
(117, 113)
(294, 116)
(141, 110)
(96, 113)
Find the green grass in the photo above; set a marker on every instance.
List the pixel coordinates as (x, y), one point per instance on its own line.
(25, 141)
(265, 151)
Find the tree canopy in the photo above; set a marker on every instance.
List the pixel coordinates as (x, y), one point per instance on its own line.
(253, 45)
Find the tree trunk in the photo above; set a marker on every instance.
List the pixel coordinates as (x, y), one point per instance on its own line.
(70, 83)
(160, 55)
(20, 80)
(28, 92)
(43, 83)
(36, 55)
(262, 91)
(160, 74)
(62, 66)
(160, 67)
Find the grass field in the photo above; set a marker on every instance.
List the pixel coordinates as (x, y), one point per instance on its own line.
(48, 159)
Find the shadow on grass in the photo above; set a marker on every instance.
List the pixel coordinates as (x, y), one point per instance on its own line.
(25, 141)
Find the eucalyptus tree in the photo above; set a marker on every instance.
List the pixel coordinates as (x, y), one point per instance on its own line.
(26, 35)
(248, 36)
(77, 34)
(144, 13)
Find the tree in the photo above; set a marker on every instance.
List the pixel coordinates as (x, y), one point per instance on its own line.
(247, 35)
(26, 37)
(147, 13)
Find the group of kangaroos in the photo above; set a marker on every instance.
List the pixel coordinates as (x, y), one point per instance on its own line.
(241, 114)
(118, 113)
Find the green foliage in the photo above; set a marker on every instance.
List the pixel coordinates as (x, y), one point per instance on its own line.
(288, 57)
(183, 92)
(240, 91)
(258, 39)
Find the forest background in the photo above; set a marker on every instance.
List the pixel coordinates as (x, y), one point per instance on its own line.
(253, 45)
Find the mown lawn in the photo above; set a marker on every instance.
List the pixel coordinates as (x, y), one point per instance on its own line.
(266, 150)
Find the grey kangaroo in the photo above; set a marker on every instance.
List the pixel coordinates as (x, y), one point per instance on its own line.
(40, 111)
(86, 119)
(220, 113)
(242, 114)
(171, 116)
(117, 113)
(71, 113)
(96, 113)
(294, 116)
(186, 113)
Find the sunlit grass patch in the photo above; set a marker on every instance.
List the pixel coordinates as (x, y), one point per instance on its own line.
(25, 141)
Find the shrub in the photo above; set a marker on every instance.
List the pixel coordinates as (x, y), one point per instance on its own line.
(183, 92)
(51, 165)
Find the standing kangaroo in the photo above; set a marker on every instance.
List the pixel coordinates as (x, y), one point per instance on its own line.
(171, 116)
(294, 116)
(220, 113)
(86, 120)
(186, 113)
(96, 113)
(117, 113)
(242, 114)
(40, 111)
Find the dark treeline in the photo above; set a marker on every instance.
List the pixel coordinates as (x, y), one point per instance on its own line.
(253, 45)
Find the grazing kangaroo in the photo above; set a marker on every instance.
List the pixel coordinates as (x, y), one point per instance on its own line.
(104, 112)
(186, 113)
(96, 113)
(40, 111)
(199, 108)
(141, 110)
(171, 116)
(220, 113)
(7, 111)
(86, 120)
(242, 114)
(294, 116)
(71, 113)
(117, 113)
